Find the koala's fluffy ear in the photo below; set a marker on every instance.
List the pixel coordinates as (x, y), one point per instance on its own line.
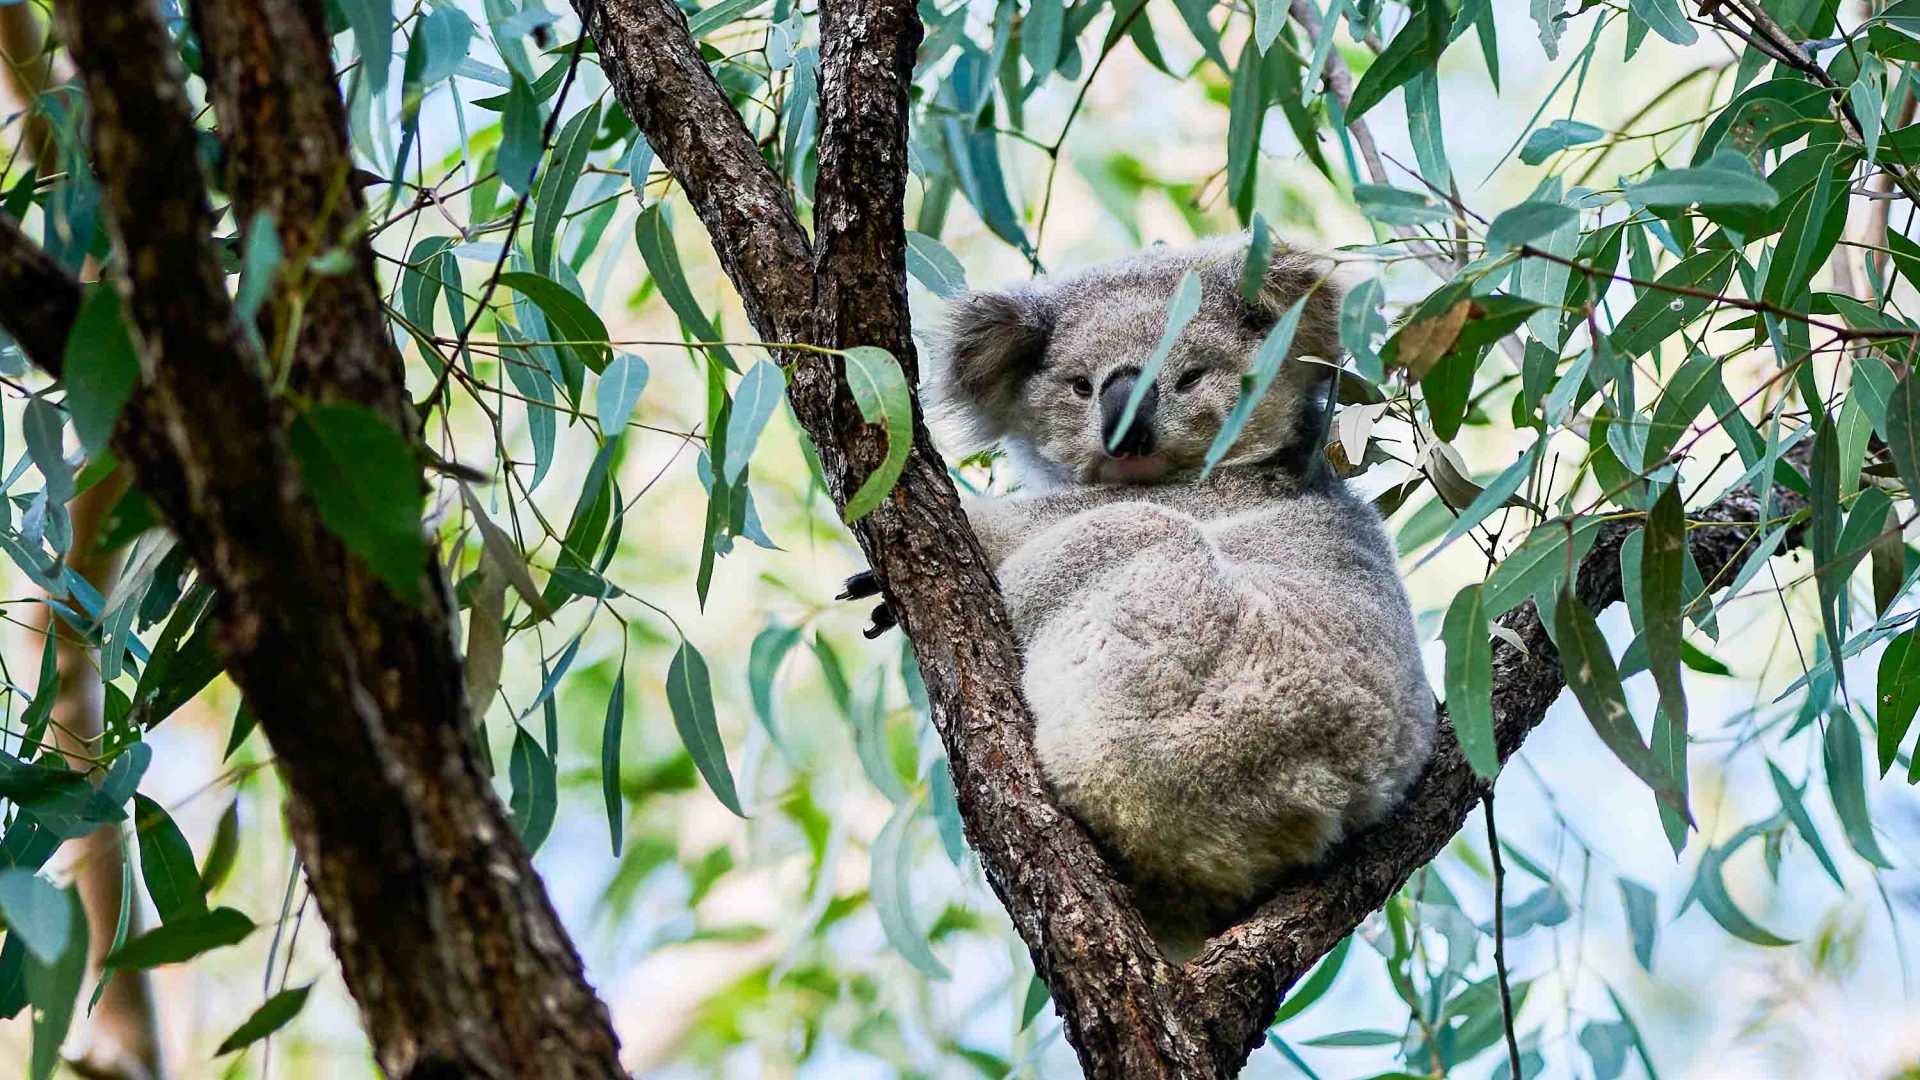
(1292, 273)
(994, 342)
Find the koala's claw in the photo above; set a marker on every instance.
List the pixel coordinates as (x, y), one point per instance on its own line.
(883, 621)
(860, 586)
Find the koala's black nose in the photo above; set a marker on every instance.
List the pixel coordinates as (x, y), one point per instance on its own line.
(1139, 437)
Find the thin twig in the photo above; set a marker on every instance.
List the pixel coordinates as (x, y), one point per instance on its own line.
(1500, 937)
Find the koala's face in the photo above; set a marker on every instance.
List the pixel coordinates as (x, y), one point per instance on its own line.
(1052, 367)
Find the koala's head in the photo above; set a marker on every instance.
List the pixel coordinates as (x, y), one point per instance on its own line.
(1048, 368)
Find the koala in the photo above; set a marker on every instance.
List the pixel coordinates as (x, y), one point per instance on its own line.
(1223, 672)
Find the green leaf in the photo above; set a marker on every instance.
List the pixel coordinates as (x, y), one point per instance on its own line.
(36, 911)
(716, 15)
(53, 989)
(1253, 272)
(1246, 107)
(521, 135)
(1180, 311)
(1041, 35)
(272, 1015)
(1793, 802)
(1902, 430)
(769, 648)
(1527, 222)
(1395, 206)
(870, 746)
(364, 479)
(1659, 313)
(1846, 783)
(568, 315)
(619, 390)
(1595, 682)
(1663, 595)
(1897, 695)
(531, 774)
(45, 431)
(1643, 922)
(1316, 985)
(1254, 385)
(372, 25)
(1422, 98)
(258, 264)
(166, 863)
(880, 389)
(1547, 141)
(754, 402)
(1715, 184)
(654, 235)
(932, 265)
(1470, 680)
(892, 897)
(610, 732)
(60, 800)
(182, 940)
(1666, 19)
(101, 367)
(1710, 888)
(556, 186)
(690, 696)
(1416, 48)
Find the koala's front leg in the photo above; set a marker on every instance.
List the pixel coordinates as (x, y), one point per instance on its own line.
(1057, 566)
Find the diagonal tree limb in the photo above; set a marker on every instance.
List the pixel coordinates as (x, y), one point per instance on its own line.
(444, 932)
(38, 297)
(668, 91)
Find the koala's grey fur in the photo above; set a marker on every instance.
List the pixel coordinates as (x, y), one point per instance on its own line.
(1224, 674)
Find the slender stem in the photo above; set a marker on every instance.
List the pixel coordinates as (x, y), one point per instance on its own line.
(1500, 937)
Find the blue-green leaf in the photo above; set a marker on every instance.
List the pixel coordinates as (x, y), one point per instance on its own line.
(754, 402)
(1666, 19)
(892, 898)
(621, 384)
(1544, 142)
(654, 235)
(1846, 782)
(690, 697)
(1416, 48)
(1180, 311)
(1595, 682)
(932, 265)
(36, 911)
(1254, 385)
(520, 138)
(1528, 222)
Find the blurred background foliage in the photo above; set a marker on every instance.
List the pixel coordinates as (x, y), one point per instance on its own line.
(791, 897)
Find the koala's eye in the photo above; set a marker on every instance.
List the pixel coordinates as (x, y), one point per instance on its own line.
(1083, 386)
(1189, 379)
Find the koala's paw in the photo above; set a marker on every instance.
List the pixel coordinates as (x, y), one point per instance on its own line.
(861, 586)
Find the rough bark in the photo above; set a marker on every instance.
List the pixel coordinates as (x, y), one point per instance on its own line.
(119, 1039)
(444, 932)
(1127, 1012)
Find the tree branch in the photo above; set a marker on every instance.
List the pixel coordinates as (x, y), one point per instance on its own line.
(668, 91)
(1128, 1012)
(38, 299)
(445, 935)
